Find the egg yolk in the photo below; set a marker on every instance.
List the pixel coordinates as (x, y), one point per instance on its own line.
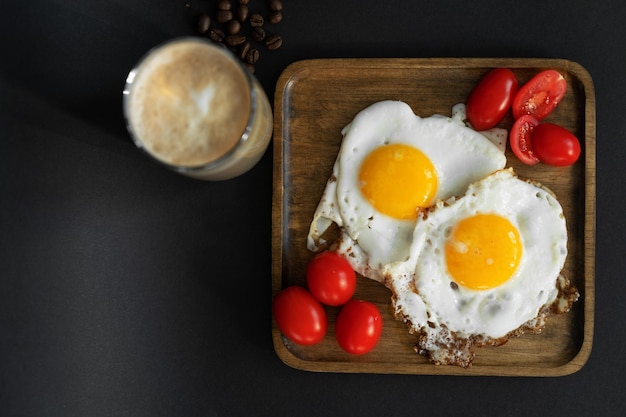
(483, 251)
(397, 179)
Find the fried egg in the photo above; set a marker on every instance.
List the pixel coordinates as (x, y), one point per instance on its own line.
(392, 164)
(482, 268)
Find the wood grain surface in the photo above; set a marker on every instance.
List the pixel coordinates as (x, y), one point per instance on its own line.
(315, 99)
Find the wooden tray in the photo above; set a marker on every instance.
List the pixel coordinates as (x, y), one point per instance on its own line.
(315, 99)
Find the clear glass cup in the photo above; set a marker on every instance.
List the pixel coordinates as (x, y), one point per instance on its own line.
(191, 106)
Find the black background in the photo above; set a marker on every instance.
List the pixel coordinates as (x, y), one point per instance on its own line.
(127, 290)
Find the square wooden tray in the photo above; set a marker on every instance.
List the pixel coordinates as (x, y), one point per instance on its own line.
(315, 99)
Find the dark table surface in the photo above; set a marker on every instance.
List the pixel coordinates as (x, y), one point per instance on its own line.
(128, 290)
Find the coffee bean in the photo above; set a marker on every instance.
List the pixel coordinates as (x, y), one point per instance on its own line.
(273, 42)
(256, 20)
(233, 27)
(224, 5)
(204, 23)
(242, 12)
(234, 40)
(223, 16)
(216, 34)
(275, 17)
(229, 31)
(258, 34)
(252, 56)
(275, 5)
(243, 50)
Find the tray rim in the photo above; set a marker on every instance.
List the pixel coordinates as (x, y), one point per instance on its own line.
(580, 358)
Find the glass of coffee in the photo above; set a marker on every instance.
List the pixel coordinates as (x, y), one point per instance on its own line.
(191, 106)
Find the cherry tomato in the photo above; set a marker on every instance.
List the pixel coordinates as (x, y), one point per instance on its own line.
(491, 98)
(520, 139)
(299, 316)
(555, 145)
(331, 279)
(540, 95)
(358, 327)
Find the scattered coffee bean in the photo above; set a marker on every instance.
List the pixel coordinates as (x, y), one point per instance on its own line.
(233, 27)
(223, 16)
(258, 34)
(234, 40)
(273, 42)
(216, 34)
(204, 23)
(275, 17)
(224, 5)
(256, 20)
(252, 56)
(242, 12)
(243, 50)
(226, 28)
(275, 5)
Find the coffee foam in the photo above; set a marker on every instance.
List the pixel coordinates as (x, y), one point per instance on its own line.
(189, 103)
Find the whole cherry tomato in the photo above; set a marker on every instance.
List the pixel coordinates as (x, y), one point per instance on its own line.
(358, 327)
(491, 98)
(540, 95)
(330, 278)
(299, 316)
(555, 145)
(521, 141)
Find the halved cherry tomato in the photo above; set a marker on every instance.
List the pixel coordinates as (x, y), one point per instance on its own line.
(520, 139)
(540, 95)
(491, 98)
(299, 316)
(555, 145)
(330, 278)
(358, 327)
